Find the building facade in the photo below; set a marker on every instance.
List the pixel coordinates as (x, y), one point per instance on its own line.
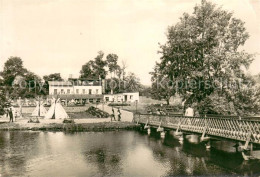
(83, 90)
(122, 97)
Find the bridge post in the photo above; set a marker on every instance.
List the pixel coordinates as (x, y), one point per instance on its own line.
(161, 129)
(149, 131)
(147, 126)
(203, 138)
(162, 134)
(208, 145)
(245, 147)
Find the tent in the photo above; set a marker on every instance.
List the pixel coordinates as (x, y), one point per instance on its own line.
(56, 111)
(39, 111)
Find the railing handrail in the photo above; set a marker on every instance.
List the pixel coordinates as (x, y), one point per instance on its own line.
(200, 117)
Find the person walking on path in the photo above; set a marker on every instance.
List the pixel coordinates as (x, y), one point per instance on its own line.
(119, 114)
(113, 115)
(11, 115)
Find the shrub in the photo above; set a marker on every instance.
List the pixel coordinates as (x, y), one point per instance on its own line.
(118, 104)
(97, 112)
(68, 121)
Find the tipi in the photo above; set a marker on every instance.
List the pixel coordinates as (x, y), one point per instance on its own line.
(39, 111)
(56, 111)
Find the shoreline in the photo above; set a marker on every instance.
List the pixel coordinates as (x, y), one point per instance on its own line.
(76, 127)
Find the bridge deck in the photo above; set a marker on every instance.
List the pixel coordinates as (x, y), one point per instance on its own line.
(240, 130)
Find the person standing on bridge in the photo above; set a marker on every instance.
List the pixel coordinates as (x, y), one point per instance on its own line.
(189, 112)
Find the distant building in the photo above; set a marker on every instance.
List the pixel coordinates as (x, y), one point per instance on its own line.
(83, 90)
(122, 97)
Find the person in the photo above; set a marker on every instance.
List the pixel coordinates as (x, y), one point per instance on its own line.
(119, 114)
(189, 112)
(113, 115)
(11, 114)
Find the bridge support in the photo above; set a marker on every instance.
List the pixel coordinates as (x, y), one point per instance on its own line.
(177, 133)
(162, 134)
(245, 147)
(149, 131)
(181, 138)
(208, 145)
(203, 138)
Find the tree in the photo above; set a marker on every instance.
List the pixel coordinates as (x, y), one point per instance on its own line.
(13, 67)
(2, 96)
(99, 66)
(123, 68)
(50, 77)
(18, 81)
(162, 87)
(53, 77)
(86, 70)
(94, 68)
(202, 53)
(132, 83)
(112, 63)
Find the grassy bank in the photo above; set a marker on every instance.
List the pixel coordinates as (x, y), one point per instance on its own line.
(100, 126)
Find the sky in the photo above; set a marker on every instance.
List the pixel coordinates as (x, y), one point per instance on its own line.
(59, 36)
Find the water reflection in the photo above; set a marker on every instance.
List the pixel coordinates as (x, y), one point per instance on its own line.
(122, 153)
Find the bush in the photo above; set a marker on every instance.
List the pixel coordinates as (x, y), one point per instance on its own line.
(33, 120)
(118, 104)
(68, 121)
(97, 112)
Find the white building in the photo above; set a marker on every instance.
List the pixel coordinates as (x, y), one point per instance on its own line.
(84, 90)
(122, 97)
(68, 87)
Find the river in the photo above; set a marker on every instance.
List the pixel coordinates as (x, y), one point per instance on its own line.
(118, 153)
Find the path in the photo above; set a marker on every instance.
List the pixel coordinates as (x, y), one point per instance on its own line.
(125, 115)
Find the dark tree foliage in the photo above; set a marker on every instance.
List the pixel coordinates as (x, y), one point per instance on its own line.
(18, 81)
(94, 68)
(53, 77)
(50, 77)
(130, 84)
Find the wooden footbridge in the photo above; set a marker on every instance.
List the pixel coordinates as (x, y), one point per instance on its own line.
(242, 130)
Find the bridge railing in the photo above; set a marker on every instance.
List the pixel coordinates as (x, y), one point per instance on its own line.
(242, 130)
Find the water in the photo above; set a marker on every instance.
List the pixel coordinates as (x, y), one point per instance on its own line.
(123, 153)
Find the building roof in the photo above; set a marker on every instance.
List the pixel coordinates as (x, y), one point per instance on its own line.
(60, 83)
(85, 79)
(74, 83)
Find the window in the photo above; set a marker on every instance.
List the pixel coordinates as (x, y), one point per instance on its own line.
(96, 91)
(77, 91)
(62, 91)
(107, 98)
(83, 91)
(91, 100)
(68, 91)
(89, 91)
(55, 91)
(131, 97)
